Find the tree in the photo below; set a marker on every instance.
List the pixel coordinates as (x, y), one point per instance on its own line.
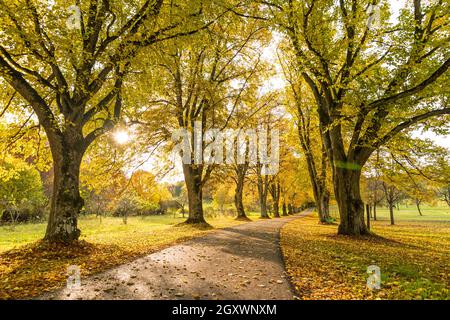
(380, 76)
(222, 196)
(205, 82)
(240, 170)
(443, 186)
(392, 196)
(374, 193)
(145, 185)
(418, 167)
(20, 186)
(266, 178)
(311, 141)
(263, 189)
(253, 111)
(73, 74)
(419, 190)
(444, 192)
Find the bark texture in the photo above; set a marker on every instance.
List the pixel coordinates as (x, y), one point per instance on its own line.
(66, 203)
(193, 178)
(348, 197)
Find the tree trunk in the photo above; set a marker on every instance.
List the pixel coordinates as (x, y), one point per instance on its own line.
(324, 206)
(275, 190)
(66, 201)
(391, 213)
(289, 208)
(374, 212)
(418, 207)
(284, 209)
(276, 209)
(262, 194)
(193, 178)
(368, 216)
(318, 181)
(263, 207)
(348, 197)
(238, 198)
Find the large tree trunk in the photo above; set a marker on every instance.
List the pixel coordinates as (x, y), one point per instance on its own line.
(66, 201)
(193, 179)
(348, 197)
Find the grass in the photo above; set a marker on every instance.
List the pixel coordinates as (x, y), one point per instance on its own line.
(102, 230)
(409, 213)
(29, 267)
(413, 257)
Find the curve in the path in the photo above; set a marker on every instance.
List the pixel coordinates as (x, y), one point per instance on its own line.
(242, 262)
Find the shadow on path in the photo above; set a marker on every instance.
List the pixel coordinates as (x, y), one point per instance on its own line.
(242, 262)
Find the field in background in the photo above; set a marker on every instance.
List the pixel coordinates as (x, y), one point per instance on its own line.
(408, 213)
(105, 229)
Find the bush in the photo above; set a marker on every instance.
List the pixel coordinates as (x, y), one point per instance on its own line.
(21, 193)
(23, 214)
(133, 205)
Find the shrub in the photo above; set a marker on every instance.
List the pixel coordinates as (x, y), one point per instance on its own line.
(21, 193)
(133, 205)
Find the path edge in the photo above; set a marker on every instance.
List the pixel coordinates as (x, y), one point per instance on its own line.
(282, 257)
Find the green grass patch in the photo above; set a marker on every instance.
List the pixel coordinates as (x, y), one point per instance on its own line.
(413, 257)
(103, 230)
(408, 213)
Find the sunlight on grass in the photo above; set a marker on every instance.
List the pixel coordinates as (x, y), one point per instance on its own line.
(413, 258)
(102, 230)
(409, 213)
(29, 267)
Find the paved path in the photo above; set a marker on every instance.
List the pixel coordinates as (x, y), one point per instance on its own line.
(242, 262)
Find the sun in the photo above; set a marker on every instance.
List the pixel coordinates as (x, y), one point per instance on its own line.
(121, 136)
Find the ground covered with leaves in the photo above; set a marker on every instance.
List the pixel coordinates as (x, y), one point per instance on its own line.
(35, 267)
(413, 257)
